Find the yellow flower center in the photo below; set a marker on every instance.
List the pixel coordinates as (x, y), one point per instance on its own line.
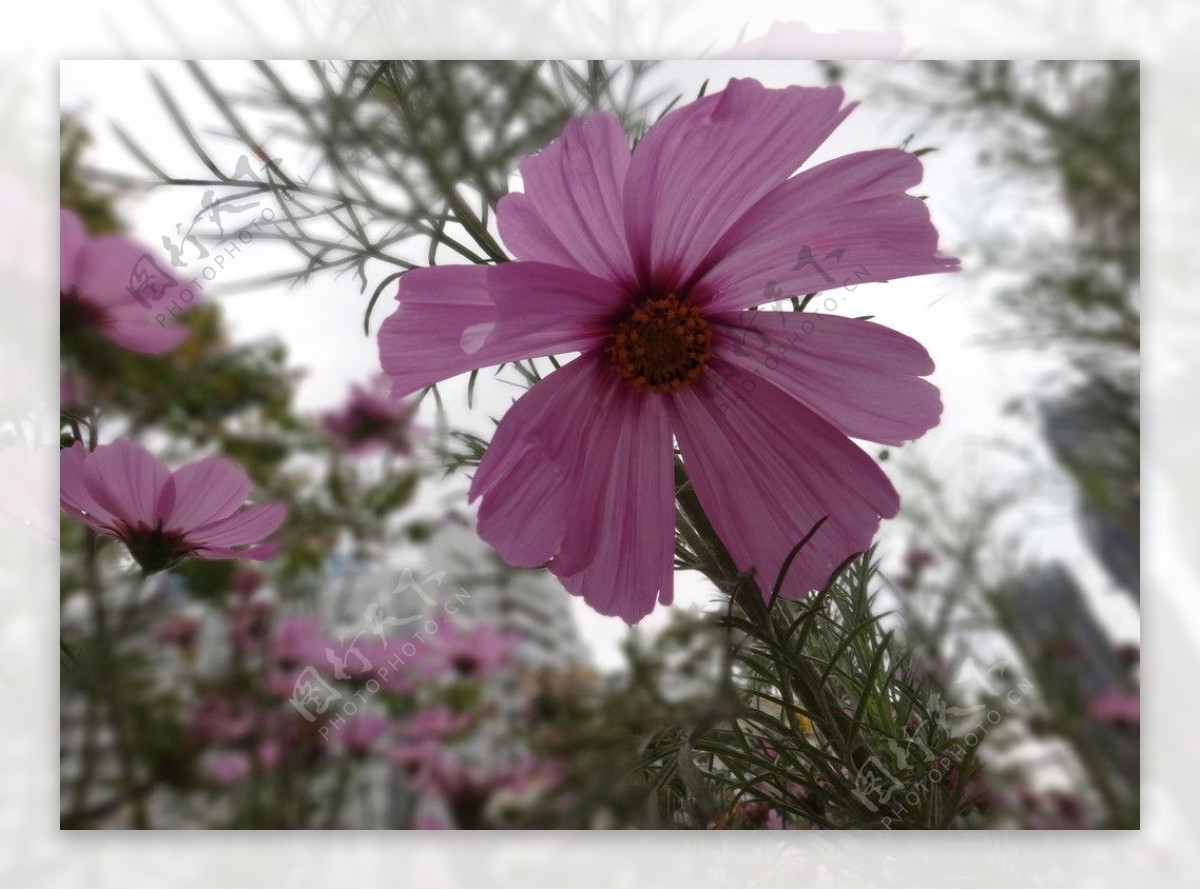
(662, 346)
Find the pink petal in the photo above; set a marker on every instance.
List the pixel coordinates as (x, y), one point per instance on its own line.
(130, 483)
(570, 213)
(863, 378)
(207, 490)
(247, 527)
(137, 329)
(105, 270)
(842, 223)
(72, 238)
(73, 493)
(454, 319)
(702, 166)
(766, 469)
(579, 474)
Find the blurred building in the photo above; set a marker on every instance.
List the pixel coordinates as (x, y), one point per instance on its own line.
(457, 571)
(456, 577)
(1074, 663)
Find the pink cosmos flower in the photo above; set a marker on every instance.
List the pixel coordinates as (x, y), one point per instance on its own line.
(248, 624)
(358, 734)
(245, 581)
(418, 760)
(645, 262)
(473, 653)
(297, 641)
(180, 631)
(433, 724)
(112, 285)
(370, 421)
(227, 768)
(222, 720)
(1117, 706)
(122, 491)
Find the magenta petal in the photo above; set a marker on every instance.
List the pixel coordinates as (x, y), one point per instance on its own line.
(130, 483)
(579, 474)
(570, 213)
(207, 490)
(105, 270)
(247, 527)
(258, 552)
(72, 238)
(702, 166)
(842, 223)
(135, 328)
(73, 494)
(766, 469)
(454, 319)
(863, 378)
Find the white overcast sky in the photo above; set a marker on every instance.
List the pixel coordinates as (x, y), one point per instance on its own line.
(321, 322)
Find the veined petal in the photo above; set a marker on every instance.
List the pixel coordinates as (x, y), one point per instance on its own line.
(863, 378)
(454, 319)
(136, 328)
(579, 474)
(766, 469)
(207, 490)
(105, 270)
(702, 166)
(258, 552)
(130, 483)
(73, 494)
(247, 527)
(842, 223)
(570, 213)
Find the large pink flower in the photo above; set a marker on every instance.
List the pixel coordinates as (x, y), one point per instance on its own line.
(118, 288)
(646, 261)
(124, 492)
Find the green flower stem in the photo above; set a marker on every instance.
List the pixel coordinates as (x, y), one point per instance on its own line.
(131, 790)
(804, 681)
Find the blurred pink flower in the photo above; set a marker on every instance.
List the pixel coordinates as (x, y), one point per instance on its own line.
(297, 641)
(180, 631)
(122, 491)
(358, 734)
(646, 262)
(270, 752)
(418, 760)
(248, 624)
(470, 654)
(370, 421)
(245, 581)
(219, 720)
(1117, 706)
(227, 768)
(109, 283)
(433, 724)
